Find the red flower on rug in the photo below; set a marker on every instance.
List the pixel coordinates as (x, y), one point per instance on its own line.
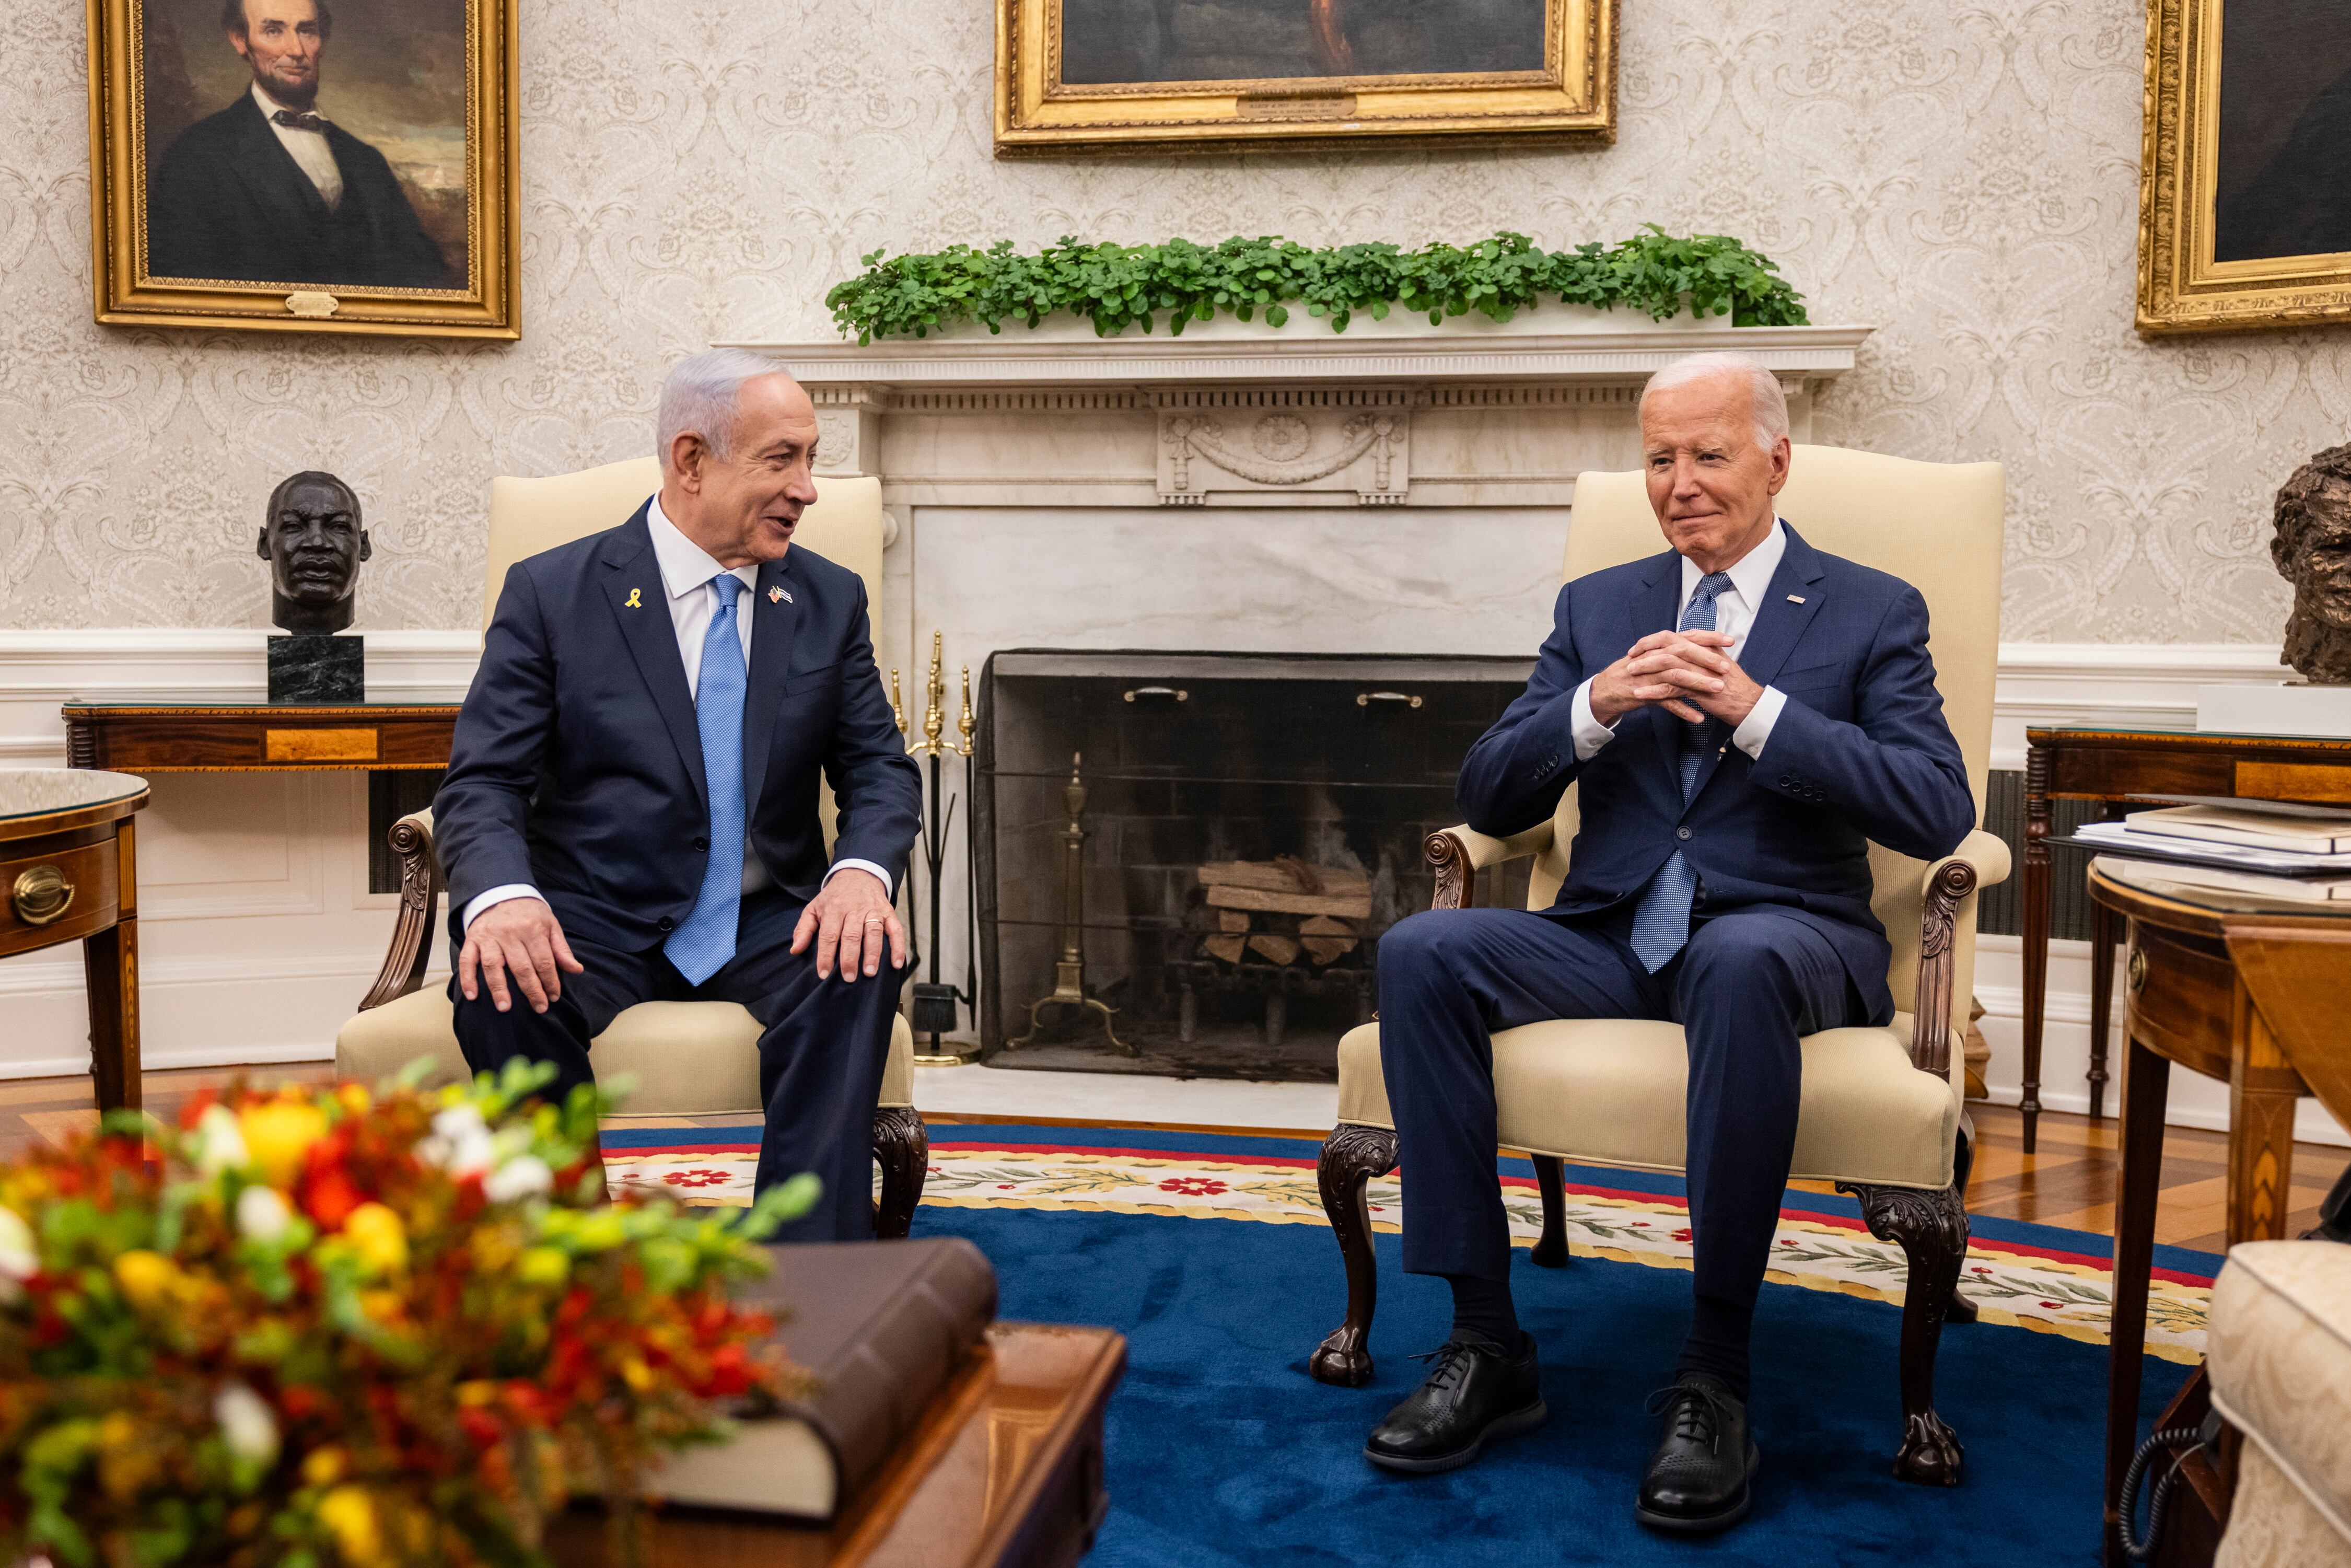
(1192, 1187)
(696, 1178)
(1680, 1236)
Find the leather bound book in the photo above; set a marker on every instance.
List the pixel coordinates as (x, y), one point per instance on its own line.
(881, 1326)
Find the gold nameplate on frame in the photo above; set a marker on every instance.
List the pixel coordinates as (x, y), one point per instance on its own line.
(319, 745)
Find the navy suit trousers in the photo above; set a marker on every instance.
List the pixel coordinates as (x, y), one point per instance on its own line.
(821, 1057)
(1747, 986)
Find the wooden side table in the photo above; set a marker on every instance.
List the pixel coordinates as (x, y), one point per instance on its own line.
(2110, 764)
(2238, 986)
(67, 873)
(224, 736)
(1004, 1470)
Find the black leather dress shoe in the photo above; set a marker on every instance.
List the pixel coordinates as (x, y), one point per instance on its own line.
(1474, 1395)
(1699, 1477)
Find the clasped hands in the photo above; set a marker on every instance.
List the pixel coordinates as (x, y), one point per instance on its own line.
(516, 945)
(1690, 675)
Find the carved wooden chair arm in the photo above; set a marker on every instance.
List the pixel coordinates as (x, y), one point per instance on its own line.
(1980, 861)
(420, 899)
(1459, 854)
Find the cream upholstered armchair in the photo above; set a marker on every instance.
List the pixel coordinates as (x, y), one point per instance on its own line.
(688, 1058)
(1881, 1113)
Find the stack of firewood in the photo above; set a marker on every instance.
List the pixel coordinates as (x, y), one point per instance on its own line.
(1280, 908)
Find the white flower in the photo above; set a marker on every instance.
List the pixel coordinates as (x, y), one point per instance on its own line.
(245, 1423)
(262, 1214)
(518, 1177)
(220, 1142)
(459, 1144)
(20, 1259)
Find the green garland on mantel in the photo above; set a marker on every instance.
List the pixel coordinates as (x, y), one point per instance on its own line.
(1115, 285)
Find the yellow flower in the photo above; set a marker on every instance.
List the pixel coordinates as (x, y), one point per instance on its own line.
(475, 1392)
(349, 1514)
(543, 1266)
(384, 1306)
(377, 1236)
(277, 1133)
(322, 1467)
(355, 1098)
(636, 1374)
(146, 1278)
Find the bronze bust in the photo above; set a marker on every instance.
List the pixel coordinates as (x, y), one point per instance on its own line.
(313, 542)
(2311, 550)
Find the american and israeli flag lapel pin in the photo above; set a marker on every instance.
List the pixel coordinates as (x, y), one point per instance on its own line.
(777, 596)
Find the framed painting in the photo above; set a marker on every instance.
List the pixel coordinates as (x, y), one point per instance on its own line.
(2245, 165)
(1150, 75)
(304, 165)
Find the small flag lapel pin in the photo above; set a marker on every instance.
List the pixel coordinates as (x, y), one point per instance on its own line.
(1795, 599)
(777, 596)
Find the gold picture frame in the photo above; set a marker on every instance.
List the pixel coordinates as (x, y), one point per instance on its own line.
(2195, 204)
(1319, 75)
(410, 219)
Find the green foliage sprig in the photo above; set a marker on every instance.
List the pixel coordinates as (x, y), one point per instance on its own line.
(1117, 285)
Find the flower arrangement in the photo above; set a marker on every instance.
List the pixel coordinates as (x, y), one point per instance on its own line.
(1117, 285)
(326, 1325)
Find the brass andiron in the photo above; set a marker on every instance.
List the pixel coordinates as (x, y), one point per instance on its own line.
(1069, 970)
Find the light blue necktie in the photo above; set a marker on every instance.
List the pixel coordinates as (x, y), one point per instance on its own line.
(1661, 920)
(700, 946)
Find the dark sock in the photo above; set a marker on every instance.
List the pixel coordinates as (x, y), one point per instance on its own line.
(1718, 1339)
(1482, 1313)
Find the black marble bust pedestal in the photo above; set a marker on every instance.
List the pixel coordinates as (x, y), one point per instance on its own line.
(312, 667)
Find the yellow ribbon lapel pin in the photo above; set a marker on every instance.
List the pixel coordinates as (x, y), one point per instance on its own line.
(635, 599)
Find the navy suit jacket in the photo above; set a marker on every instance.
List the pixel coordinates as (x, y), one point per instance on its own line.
(576, 765)
(226, 200)
(1860, 752)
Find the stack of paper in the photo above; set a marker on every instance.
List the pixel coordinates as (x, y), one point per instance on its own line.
(2317, 830)
(2275, 849)
(2253, 883)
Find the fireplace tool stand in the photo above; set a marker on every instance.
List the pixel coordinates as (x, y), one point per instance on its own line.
(933, 1008)
(1070, 969)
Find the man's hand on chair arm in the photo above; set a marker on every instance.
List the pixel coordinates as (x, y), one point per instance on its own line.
(851, 919)
(1688, 673)
(516, 945)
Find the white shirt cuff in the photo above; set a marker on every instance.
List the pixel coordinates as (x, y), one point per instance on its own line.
(878, 874)
(1756, 727)
(498, 895)
(1590, 734)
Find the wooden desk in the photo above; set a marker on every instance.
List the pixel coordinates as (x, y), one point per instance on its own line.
(1005, 1472)
(2109, 764)
(2241, 989)
(68, 871)
(228, 736)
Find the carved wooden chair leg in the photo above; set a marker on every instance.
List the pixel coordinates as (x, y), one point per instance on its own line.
(1550, 1251)
(1932, 1229)
(905, 1150)
(1963, 1311)
(1352, 1156)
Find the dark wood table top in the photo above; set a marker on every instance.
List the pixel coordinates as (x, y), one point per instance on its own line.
(230, 733)
(1002, 1473)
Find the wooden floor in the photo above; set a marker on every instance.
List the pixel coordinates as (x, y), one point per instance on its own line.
(2069, 1182)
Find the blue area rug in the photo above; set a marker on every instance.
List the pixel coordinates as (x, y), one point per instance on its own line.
(1223, 1451)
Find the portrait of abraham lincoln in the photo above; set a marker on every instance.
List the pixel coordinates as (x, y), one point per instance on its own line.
(305, 143)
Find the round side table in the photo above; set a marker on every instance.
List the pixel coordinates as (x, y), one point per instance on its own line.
(67, 873)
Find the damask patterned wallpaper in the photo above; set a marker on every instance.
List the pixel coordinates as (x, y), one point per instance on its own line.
(1963, 176)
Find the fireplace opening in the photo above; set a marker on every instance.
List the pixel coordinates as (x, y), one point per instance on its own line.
(1185, 862)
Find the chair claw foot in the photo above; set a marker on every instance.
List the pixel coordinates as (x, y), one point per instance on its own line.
(1930, 1452)
(1341, 1361)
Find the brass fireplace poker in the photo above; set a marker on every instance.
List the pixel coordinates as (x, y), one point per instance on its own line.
(934, 1009)
(1070, 969)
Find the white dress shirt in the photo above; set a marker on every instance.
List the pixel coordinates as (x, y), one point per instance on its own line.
(1735, 610)
(308, 147)
(688, 575)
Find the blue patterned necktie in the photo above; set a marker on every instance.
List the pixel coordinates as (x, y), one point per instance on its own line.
(700, 946)
(1661, 920)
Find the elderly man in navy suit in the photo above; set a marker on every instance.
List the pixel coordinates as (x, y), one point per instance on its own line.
(630, 808)
(1745, 715)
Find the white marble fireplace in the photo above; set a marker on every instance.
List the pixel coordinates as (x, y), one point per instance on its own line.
(1397, 490)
